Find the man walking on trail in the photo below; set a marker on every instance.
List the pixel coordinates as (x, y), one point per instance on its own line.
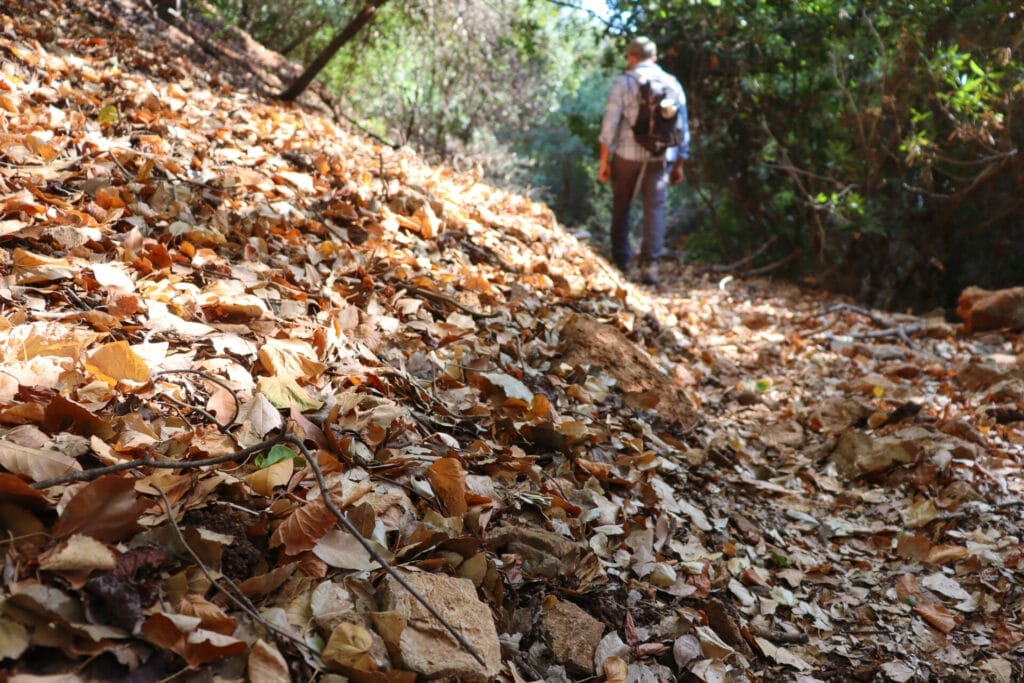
(634, 164)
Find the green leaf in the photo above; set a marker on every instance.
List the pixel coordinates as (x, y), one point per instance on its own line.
(275, 455)
(109, 114)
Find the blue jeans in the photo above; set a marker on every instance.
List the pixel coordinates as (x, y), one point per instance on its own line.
(653, 190)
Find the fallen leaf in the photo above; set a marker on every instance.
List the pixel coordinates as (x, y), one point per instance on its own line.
(78, 553)
(116, 362)
(266, 664)
(304, 527)
(107, 509)
(347, 646)
(937, 616)
(38, 464)
(448, 480)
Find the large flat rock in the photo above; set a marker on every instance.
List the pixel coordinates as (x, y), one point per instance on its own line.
(426, 647)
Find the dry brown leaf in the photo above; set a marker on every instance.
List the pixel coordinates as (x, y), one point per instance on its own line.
(37, 464)
(347, 647)
(78, 553)
(107, 509)
(304, 527)
(265, 480)
(944, 554)
(266, 664)
(448, 480)
(211, 617)
(937, 616)
(181, 634)
(615, 670)
(14, 489)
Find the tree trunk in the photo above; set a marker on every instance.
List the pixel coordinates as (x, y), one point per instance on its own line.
(358, 21)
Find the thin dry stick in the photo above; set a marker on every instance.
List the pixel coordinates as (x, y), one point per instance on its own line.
(736, 265)
(240, 600)
(444, 298)
(210, 378)
(344, 521)
(97, 472)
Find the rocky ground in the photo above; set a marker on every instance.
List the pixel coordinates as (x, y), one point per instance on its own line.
(247, 355)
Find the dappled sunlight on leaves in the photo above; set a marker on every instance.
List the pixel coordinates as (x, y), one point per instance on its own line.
(718, 479)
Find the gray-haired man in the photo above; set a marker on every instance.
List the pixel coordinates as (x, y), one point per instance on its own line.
(632, 168)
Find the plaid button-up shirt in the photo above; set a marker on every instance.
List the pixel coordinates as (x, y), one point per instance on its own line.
(621, 110)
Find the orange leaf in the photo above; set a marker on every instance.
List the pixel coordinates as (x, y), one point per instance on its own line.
(907, 587)
(212, 617)
(448, 480)
(14, 489)
(913, 547)
(303, 528)
(63, 415)
(937, 616)
(197, 646)
(942, 554)
(107, 509)
(266, 664)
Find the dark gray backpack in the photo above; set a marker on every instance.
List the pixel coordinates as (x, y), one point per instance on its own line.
(656, 127)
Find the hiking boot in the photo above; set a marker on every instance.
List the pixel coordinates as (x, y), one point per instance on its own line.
(649, 275)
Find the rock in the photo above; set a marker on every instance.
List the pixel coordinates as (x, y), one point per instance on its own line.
(637, 376)
(858, 453)
(989, 371)
(982, 309)
(544, 553)
(425, 646)
(572, 635)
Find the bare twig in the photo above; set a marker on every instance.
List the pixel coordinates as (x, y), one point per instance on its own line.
(235, 595)
(870, 315)
(344, 521)
(900, 331)
(97, 472)
(443, 298)
(216, 380)
(775, 265)
(735, 265)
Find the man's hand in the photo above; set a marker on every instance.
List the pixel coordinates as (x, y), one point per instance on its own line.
(675, 176)
(604, 171)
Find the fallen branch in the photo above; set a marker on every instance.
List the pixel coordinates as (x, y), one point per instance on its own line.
(235, 595)
(774, 265)
(97, 472)
(736, 265)
(443, 298)
(223, 428)
(351, 528)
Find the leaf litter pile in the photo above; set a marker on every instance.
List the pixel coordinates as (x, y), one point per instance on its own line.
(246, 356)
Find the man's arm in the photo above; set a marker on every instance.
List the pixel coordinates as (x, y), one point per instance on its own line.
(604, 166)
(676, 174)
(610, 129)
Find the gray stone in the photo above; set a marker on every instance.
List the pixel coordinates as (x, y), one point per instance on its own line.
(544, 553)
(426, 646)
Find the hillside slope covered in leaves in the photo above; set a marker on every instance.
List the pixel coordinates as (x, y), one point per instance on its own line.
(237, 339)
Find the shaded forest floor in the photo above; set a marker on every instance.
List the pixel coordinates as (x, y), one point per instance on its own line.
(718, 480)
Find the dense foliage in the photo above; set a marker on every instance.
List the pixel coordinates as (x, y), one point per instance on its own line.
(880, 140)
(874, 145)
